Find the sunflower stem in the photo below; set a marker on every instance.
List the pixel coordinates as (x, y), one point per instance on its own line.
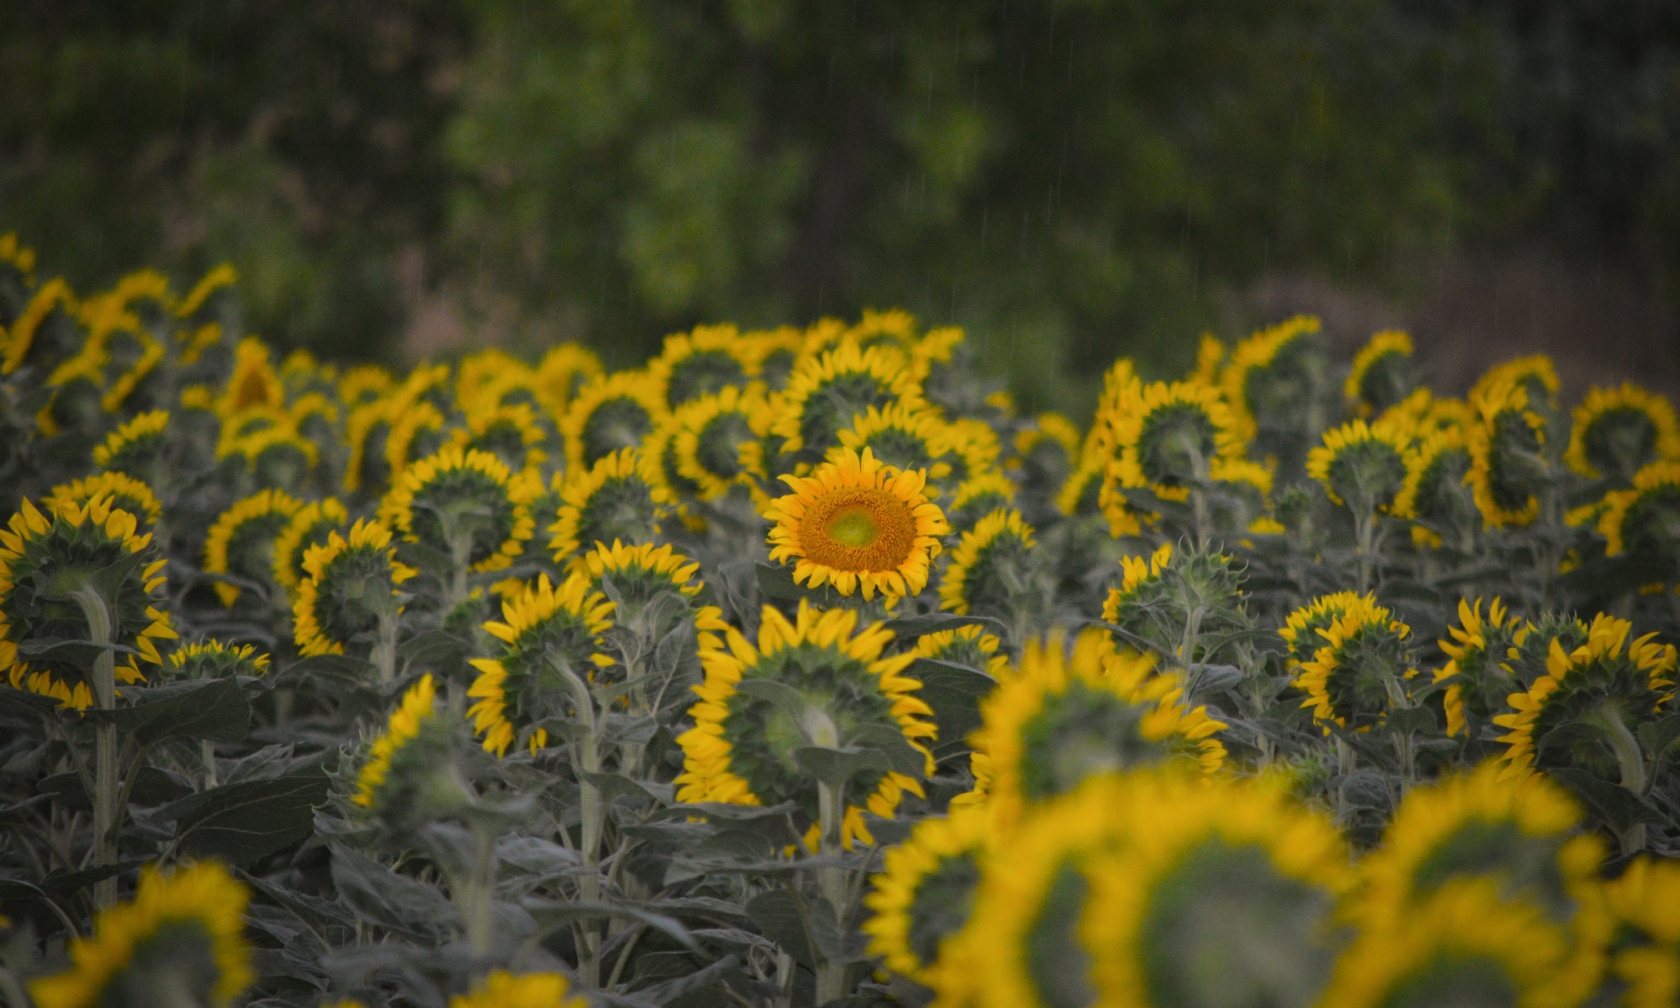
(1365, 523)
(479, 894)
(107, 782)
(587, 752)
(385, 648)
(1631, 760)
(460, 552)
(831, 880)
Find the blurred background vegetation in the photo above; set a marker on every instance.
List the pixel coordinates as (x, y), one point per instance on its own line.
(1069, 181)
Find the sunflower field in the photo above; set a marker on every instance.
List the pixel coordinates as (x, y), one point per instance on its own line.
(795, 668)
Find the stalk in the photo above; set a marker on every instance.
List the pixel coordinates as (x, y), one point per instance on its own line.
(107, 813)
(385, 648)
(831, 880)
(592, 812)
(1631, 760)
(460, 552)
(478, 894)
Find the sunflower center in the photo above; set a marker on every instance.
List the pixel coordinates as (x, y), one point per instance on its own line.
(859, 529)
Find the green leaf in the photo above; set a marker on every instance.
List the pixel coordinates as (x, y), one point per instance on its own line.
(1615, 805)
(16, 701)
(784, 917)
(214, 709)
(954, 692)
(394, 902)
(835, 767)
(1657, 736)
(775, 581)
(245, 821)
(786, 699)
(910, 627)
(152, 786)
(552, 914)
(1417, 720)
(903, 756)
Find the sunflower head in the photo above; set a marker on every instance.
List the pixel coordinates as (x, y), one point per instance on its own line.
(58, 567)
(1477, 679)
(124, 492)
(1271, 373)
(212, 659)
(1361, 466)
(1463, 945)
(310, 526)
(1159, 597)
(622, 497)
(547, 635)
(464, 503)
(924, 894)
(1434, 494)
(501, 989)
(351, 586)
(858, 525)
(183, 933)
(969, 646)
(45, 333)
(408, 775)
(609, 414)
(1535, 375)
(366, 432)
(276, 457)
(1644, 904)
(640, 574)
(1599, 692)
(703, 362)
(363, 384)
(907, 436)
(1508, 465)
(513, 433)
(563, 370)
(828, 390)
(1383, 373)
(1062, 716)
(253, 382)
(816, 682)
(416, 431)
(241, 542)
(988, 566)
(1617, 432)
(980, 495)
(138, 448)
(718, 441)
(1523, 833)
(1301, 632)
(1360, 669)
(1646, 517)
(1168, 435)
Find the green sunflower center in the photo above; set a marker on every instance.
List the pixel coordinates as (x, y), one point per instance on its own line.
(853, 527)
(703, 372)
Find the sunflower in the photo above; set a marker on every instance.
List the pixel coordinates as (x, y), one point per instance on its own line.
(1507, 467)
(363, 384)
(1524, 835)
(416, 431)
(1619, 431)
(1267, 375)
(44, 333)
(501, 989)
(241, 541)
(1360, 669)
(211, 659)
(1433, 494)
(1169, 434)
(968, 645)
(366, 432)
(892, 332)
(1059, 718)
(1645, 902)
(1083, 492)
(1607, 685)
(1535, 375)
(123, 491)
(1301, 631)
(138, 448)
(924, 894)
(219, 278)
(742, 748)
(1210, 356)
(1476, 647)
(774, 353)
(480, 379)
(466, 505)
(701, 363)
(46, 562)
(859, 525)
(1135, 572)
(1050, 432)
(980, 495)
(609, 414)
(620, 497)
(184, 935)
(1205, 865)
(719, 441)
(1643, 517)
(905, 436)
(826, 391)
(19, 257)
(509, 432)
(987, 564)
(1382, 373)
(547, 634)
(1362, 466)
(418, 705)
(350, 591)
(1463, 945)
(641, 573)
(559, 374)
(122, 387)
(254, 381)
(277, 456)
(311, 525)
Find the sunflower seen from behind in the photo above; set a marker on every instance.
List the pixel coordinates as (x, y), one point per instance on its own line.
(1361, 669)
(351, 595)
(313, 523)
(1477, 681)
(718, 443)
(466, 505)
(123, 491)
(1646, 517)
(988, 565)
(65, 573)
(622, 497)
(1508, 467)
(924, 895)
(814, 681)
(241, 541)
(701, 363)
(1617, 432)
(1170, 434)
(181, 940)
(1383, 374)
(138, 448)
(826, 391)
(547, 634)
(610, 414)
(858, 525)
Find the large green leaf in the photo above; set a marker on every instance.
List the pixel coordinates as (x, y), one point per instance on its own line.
(245, 821)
